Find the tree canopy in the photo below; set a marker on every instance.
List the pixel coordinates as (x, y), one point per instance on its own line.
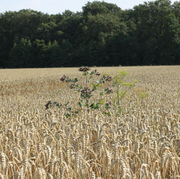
(102, 34)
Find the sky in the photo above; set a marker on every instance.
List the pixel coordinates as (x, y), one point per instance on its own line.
(59, 6)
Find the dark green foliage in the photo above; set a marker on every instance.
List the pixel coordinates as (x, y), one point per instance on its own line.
(22, 50)
(102, 34)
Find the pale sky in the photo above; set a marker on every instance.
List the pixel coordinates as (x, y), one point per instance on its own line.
(59, 6)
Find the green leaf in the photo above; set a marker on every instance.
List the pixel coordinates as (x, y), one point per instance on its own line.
(67, 115)
(107, 106)
(94, 106)
(101, 93)
(80, 104)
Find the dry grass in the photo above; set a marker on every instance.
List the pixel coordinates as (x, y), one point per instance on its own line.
(143, 143)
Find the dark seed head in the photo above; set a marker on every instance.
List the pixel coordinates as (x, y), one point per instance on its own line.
(51, 104)
(72, 86)
(106, 78)
(84, 69)
(63, 78)
(86, 93)
(98, 74)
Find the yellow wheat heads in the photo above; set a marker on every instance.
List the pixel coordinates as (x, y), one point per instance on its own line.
(142, 143)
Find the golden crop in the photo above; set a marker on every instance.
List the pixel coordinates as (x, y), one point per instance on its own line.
(142, 143)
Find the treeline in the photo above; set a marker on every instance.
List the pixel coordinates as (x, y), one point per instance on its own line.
(102, 34)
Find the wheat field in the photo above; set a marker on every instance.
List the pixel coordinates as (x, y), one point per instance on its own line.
(142, 143)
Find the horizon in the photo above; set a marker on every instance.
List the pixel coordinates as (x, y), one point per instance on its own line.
(55, 6)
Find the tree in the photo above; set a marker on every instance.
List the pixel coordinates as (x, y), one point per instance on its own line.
(97, 7)
(156, 32)
(21, 54)
(102, 34)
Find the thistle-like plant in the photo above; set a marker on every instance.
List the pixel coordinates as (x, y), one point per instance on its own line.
(90, 85)
(94, 90)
